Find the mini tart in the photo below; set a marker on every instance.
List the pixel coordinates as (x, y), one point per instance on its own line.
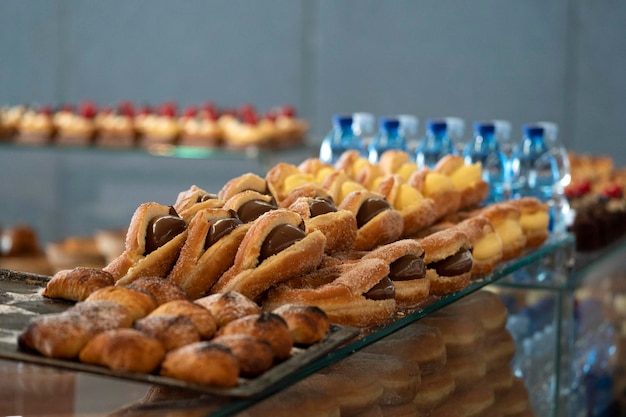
(153, 242)
(320, 170)
(377, 221)
(358, 294)
(448, 261)
(250, 204)
(505, 218)
(534, 219)
(440, 189)
(359, 169)
(282, 178)
(417, 212)
(406, 270)
(485, 244)
(467, 178)
(271, 252)
(394, 161)
(209, 250)
(241, 183)
(338, 226)
(191, 201)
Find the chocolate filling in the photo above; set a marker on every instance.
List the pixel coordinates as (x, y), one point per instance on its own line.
(220, 228)
(384, 290)
(457, 264)
(280, 239)
(162, 229)
(204, 197)
(407, 268)
(321, 205)
(253, 209)
(369, 209)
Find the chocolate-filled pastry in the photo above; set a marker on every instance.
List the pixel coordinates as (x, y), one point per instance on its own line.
(467, 178)
(310, 190)
(377, 221)
(505, 218)
(275, 249)
(307, 324)
(417, 211)
(255, 355)
(63, 335)
(250, 205)
(448, 261)
(266, 326)
(172, 331)
(76, 284)
(153, 241)
(203, 363)
(212, 241)
(439, 188)
(282, 178)
(200, 316)
(190, 201)
(359, 169)
(356, 294)
(534, 219)
(242, 183)
(228, 306)
(139, 303)
(127, 350)
(162, 289)
(485, 244)
(406, 269)
(338, 226)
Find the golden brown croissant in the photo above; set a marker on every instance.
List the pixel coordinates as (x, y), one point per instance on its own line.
(172, 331)
(76, 284)
(255, 355)
(162, 289)
(228, 306)
(307, 324)
(138, 303)
(200, 316)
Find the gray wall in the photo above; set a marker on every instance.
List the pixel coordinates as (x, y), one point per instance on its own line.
(559, 60)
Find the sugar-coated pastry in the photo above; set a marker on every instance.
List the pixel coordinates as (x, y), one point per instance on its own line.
(434, 390)
(378, 222)
(153, 241)
(283, 178)
(214, 235)
(309, 190)
(467, 178)
(200, 316)
(320, 170)
(356, 294)
(485, 306)
(274, 249)
(307, 324)
(417, 211)
(468, 369)
(203, 363)
(485, 244)
(255, 355)
(359, 169)
(505, 218)
(499, 349)
(194, 199)
(172, 331)
(338, 226)
(125, 349)
(439, 188)
(513, 401)
(500, 378)
(242, 183)
(139, 303)
(76, 284)
(448, 261)
(534, 219)
(250, 205)
(110, 242)
(162, 289)
(397, 162)
(228, 306)
(475, 399)
(461, 333)
(406, 269)
(450, 409)
(266, 326)
(338, 185)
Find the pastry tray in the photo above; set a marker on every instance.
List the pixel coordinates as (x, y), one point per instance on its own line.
(21, 301)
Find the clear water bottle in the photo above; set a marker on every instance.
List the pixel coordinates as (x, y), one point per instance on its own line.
(364, 125)
(388, 137)
(485, 148)
(341, 138)
(456, 130)
(409, 129)
(435, 145)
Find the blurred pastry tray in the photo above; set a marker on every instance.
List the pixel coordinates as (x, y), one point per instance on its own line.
(21, 301)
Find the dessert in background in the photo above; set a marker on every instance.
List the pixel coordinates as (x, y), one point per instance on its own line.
(116, 127)
(76, 128)
(9, 120)
(36, 126)
(76, 251)
(20, 251)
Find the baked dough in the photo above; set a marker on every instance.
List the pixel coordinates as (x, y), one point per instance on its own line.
(467, 178)
(484, 242)
(534, 220)
(248, 181)
(307, 324)
(162, 289)
(255, 355)
(200, 316)
(190, 201)
(76, 284)
(228, 306)
(505, 218)
(172, 331)
(138, 303)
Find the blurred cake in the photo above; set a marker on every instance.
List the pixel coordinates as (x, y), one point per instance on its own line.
(20, 251)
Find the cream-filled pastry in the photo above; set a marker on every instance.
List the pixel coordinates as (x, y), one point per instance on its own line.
(534, 219)
(439, 188)
(505, 219)
(485, 243)
(467, 178)
(283, 178)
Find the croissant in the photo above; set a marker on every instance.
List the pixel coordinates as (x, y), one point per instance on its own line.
(76, 284)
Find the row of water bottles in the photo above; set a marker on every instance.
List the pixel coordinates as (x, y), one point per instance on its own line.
(537, 165)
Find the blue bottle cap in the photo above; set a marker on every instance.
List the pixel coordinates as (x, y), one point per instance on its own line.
(436, 126)
(342, 120)
(533, 130)
(484, 128)
(388, 123)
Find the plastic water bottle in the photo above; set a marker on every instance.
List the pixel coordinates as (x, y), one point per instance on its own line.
(340, 139)
(364, 125)
(485, 148)
(388, 137)
(409, 129)
(435, 145)
(456, 130)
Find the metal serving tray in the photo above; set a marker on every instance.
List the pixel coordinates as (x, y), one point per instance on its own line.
(21, 301)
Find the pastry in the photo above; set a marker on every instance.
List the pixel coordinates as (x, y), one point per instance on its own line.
(20, 251)
(483, 305)
(255, 355)
(406, 269)
(116, 127)
(467, 178)
(139, 303)
(228, 306)
(461, 333)
(505, 218)
(500, 378)
(250, 205)
(474, 400)
(338, 185)
(74, 251)
(499, 349)
(172, 331)
(76, 128)
(485, 244)
(110, 243)
(213, 237)
(534, 219)
(397, 162)
(399, 410)
(282, 178)
(160, 129)
(200, 129)
(360, 169)
(434, 390)
(439, 188)
(155, 236)
(194, 199)
(468, 369)
(378, 223)
(308, 190)
(513, 401)
(242, 183)
(77, 284)
(162, 289)
(36, 127)
(307, 324)
(274, 249)
(266, 326)
(417, 212)
(200, 316)
(290, 130)
(357, 294)
(10, 117)
(318, 169)
(448, 261)
(127, 350)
